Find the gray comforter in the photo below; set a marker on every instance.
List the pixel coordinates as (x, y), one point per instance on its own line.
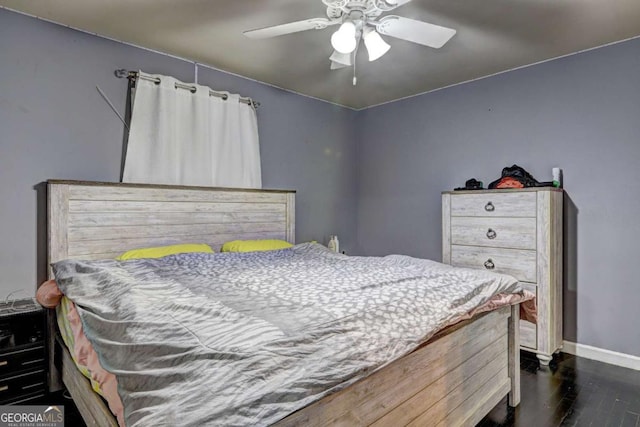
(246, 339)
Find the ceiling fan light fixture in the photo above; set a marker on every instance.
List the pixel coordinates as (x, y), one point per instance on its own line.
(376, 46)
(337, 65)
(344, 40)
(341, 58)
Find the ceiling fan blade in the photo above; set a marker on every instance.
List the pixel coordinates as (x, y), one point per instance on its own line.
(291, 27)
(414, 31)
(392, 4)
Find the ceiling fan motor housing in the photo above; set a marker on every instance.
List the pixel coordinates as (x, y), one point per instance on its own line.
(370, 9)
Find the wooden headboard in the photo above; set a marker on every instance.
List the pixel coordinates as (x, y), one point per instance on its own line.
(94, 220)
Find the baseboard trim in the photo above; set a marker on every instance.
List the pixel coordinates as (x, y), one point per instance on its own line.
(602, 355)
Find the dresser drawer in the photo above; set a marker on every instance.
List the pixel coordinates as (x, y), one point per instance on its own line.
(18, 360)
(521, 204)
(519, 263)
(528, 330)
(16, 386)
(516, 233)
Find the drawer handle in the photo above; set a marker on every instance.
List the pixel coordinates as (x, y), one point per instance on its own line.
(31, 362)
(4, 388)
(489, 207)
(4, 363)
(491, 234)
(26, 387)
(489, 265)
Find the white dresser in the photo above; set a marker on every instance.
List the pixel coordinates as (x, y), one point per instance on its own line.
(516, 232)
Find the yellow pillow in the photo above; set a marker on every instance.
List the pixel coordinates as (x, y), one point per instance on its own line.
(162, 251)
(255, 245)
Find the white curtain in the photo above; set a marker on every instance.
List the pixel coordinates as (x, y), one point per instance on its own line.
(184, 137)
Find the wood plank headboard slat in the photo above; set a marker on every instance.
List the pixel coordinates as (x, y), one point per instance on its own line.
(110, 219)
(161, 195)
(171, 206)
(76, 234)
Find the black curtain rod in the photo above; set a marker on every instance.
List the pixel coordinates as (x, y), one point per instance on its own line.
(132, 75)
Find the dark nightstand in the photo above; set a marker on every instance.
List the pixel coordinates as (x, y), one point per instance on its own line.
(23, 375)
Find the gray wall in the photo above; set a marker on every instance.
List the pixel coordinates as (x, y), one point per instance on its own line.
(54, 124)
(581, 113)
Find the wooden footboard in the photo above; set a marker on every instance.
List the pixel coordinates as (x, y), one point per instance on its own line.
(455, 380)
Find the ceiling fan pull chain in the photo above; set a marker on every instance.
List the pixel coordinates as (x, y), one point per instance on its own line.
(355, 53)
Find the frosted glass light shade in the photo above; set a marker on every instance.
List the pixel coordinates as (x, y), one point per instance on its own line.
(375, 45)
(341, 58)
(344, 40)
(337, 66)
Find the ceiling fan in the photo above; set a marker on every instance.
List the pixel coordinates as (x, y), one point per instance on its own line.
(360, 20)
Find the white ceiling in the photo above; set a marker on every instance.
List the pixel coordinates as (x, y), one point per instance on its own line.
(493, 36)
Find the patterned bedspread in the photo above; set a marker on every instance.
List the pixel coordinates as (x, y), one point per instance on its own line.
(246, 339)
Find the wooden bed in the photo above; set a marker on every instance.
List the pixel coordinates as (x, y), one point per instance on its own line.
(455, 379)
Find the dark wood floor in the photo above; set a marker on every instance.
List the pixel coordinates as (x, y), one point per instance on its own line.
(572, 392)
